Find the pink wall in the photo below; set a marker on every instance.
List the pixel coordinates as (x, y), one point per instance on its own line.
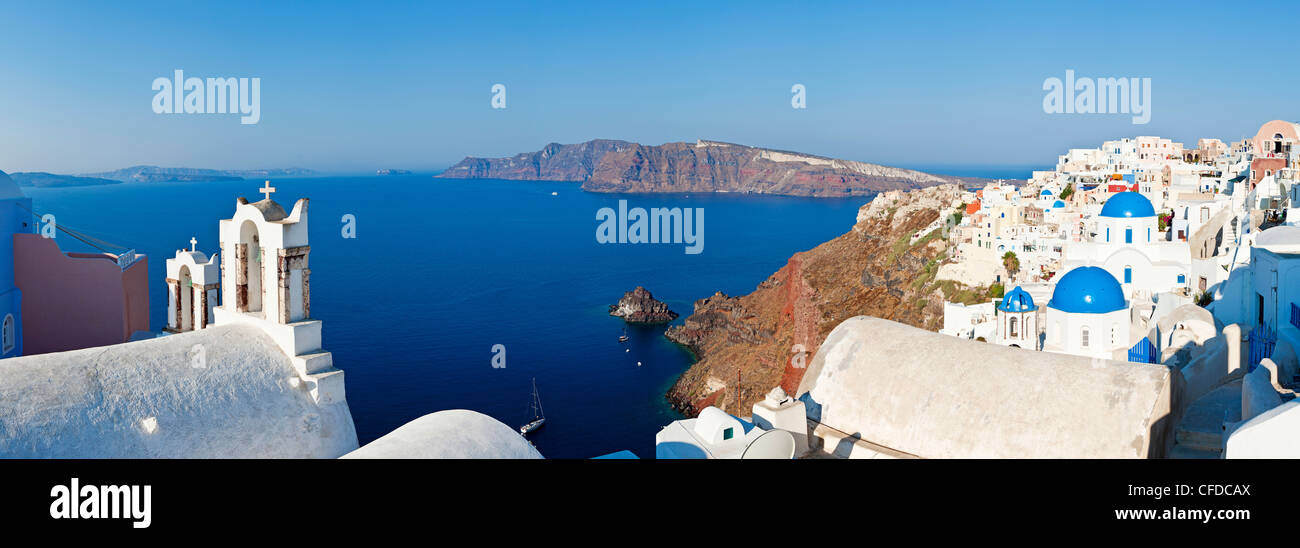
(77, 301)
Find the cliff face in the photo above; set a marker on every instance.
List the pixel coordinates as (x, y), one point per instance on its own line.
(704, 166)
(747, 345)
(555, 162)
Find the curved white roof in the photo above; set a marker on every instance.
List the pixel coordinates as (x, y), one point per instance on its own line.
(227, 391)
(451, 434)
(1280, 239)
(711, 420)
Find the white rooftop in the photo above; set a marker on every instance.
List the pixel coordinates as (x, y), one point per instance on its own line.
(451, 434)
(714, 434)
(223, 392)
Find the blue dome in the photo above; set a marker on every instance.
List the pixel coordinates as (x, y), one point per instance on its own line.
(1088, 290)
(1059, 204)
(1045, 192)
(1128, 204)
(1018, 300)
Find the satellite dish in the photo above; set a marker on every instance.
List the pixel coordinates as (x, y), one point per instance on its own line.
(773, 444)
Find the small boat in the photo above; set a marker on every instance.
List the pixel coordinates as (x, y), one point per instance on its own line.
(623, 338)
(539, 417)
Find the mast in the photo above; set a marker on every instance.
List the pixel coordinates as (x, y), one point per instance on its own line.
(537, 400)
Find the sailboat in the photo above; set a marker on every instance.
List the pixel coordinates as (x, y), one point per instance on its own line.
(539, 417)
(623, 338)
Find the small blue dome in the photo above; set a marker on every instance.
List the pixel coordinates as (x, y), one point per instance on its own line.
(1058, 205)
(1045, 192)
(1088, 290)
(1018, 300)
(1128, 204)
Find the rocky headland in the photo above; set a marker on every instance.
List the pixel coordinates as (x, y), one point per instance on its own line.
(884, 266)
(639, 306)
(606, 165)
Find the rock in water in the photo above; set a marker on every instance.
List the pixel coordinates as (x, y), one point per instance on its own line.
(639, 306)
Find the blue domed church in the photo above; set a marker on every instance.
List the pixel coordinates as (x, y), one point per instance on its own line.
(1018, 320)
(1088, 315)
(1128, 244)
(15, 217)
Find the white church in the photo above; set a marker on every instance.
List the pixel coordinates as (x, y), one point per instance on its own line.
(1129, 245)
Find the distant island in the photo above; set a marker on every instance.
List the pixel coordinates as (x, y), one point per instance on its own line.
(605, 165)
(41, 179)
(151, 174)
(393, 172)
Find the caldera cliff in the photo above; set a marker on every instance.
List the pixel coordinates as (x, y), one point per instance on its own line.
(884, 266)
(606, 165)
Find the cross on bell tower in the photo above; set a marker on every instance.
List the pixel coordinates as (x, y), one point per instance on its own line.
(267, 190)
(193, 242)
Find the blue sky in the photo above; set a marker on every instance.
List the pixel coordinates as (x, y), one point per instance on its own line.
(352, 87)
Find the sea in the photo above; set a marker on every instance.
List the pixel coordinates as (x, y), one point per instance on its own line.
(440, 272)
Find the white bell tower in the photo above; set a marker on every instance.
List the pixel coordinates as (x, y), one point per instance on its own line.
(266, 281)
(264, 265)
(193, 284)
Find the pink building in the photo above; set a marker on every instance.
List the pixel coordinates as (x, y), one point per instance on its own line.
(1276, 139)
(78, 300)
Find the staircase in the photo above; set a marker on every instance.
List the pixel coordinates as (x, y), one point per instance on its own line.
(1200, 434)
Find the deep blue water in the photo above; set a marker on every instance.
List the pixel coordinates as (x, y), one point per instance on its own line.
(441, 270)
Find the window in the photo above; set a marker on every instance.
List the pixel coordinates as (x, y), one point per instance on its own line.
(1128, 274)
(1011, 324)
(728, 434)
(1128, 235)
(1107, 234)
(1182, 279)
(1083, 338)
(10, 334)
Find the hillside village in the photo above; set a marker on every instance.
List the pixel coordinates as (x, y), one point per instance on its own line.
(1141, 251)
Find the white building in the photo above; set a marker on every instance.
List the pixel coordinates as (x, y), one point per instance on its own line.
(972, 321)
(715, 434)
(1267, 292)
